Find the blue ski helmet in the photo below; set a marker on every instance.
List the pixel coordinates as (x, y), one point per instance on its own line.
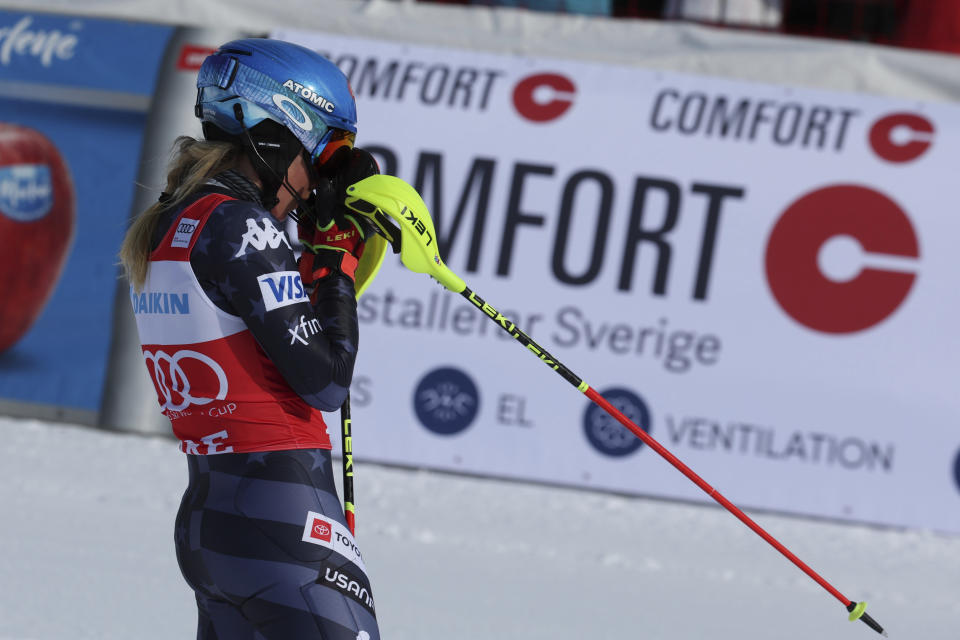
(275, 80)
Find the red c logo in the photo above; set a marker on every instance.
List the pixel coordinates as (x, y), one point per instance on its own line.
(881, 228)
(540, 108)
(915, 135)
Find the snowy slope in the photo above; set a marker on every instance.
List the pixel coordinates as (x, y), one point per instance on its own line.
(87, 552)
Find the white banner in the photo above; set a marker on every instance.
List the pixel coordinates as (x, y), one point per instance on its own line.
(761, 276)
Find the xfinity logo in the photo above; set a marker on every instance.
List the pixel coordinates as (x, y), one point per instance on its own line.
(45, 46)
(281, 288)
(304, 330)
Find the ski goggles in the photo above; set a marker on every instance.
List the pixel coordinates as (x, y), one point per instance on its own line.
(336, 139)
(320, 135)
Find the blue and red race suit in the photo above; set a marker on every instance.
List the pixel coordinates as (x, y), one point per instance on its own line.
(240, 359)
(243, 364)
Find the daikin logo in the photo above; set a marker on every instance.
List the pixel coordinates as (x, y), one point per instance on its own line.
(446, 401)
(45, 46)
(608, 436)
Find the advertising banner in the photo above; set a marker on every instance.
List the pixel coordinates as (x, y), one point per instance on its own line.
(74, 93)
(761, 276)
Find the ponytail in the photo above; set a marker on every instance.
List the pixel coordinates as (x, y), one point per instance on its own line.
(194, 162)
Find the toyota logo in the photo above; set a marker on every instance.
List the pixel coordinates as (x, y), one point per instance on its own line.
(321, 529)
(170, 378)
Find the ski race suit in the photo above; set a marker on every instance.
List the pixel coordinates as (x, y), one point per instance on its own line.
(243, 364)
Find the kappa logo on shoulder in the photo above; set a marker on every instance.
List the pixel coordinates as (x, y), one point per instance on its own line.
(262, 237)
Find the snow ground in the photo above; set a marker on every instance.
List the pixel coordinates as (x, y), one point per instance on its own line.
(86, 551)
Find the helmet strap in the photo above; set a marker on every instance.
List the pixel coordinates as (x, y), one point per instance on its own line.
(271, 148)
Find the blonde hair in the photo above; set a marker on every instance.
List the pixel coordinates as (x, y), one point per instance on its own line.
(193, 162)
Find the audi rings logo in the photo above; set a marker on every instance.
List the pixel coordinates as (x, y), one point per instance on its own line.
(446, 401)
(608, 436)
(880, 250)
(177, 376)
(901, 137)
(543, 96)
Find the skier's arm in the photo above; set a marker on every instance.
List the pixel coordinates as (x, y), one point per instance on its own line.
(313, 347)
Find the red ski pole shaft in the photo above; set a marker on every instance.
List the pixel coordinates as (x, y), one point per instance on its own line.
(591, 393)
(713, 493)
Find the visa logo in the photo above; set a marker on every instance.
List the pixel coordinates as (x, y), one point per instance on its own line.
(154, 302)
(281, 288)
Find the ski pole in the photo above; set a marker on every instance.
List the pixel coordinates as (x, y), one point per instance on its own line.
(414, 239)
(346, 445)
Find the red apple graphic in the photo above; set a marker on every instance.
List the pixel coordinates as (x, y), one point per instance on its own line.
(36, 226)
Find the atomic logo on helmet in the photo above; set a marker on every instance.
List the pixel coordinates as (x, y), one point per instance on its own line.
(309, 94)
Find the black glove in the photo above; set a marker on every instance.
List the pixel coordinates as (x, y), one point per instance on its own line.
(345, 168)
(333, 237)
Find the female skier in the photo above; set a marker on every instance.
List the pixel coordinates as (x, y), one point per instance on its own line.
(246, 347)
